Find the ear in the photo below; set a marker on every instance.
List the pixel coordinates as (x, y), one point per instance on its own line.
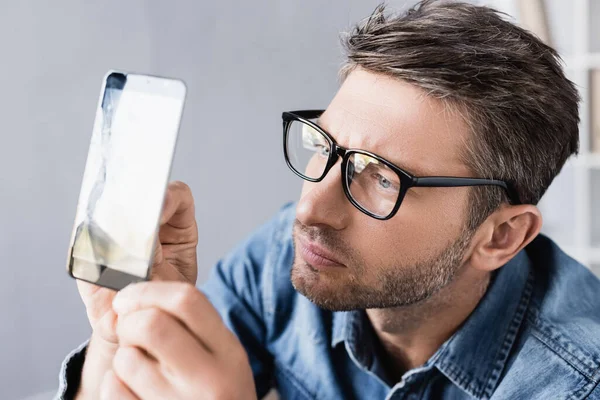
(503, 234)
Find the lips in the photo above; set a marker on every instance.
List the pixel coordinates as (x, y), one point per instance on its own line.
(316, 255)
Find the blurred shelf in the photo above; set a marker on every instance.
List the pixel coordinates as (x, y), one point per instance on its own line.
(572, 61)
(594, 60)
(590, 60)
(590, 160)
(579, 237)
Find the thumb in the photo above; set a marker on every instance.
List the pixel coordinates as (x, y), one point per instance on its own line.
(162, 270)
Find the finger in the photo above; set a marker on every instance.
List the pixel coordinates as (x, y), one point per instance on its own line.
(158, 257)
(165, 339)
(92, 295)
(97, 301)
(178, 231)
(166, 271)
(184, 302)
(140, 374)
(106, 326)
(113, 389)
(178, 207)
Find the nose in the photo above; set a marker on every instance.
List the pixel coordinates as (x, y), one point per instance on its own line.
(325, 203)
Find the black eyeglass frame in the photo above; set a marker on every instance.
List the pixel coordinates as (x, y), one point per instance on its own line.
(407, 180)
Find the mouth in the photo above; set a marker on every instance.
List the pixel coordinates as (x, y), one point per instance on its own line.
(317, 256)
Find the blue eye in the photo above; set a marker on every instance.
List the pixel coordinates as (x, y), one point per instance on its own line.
(384, 182)
(322, 150)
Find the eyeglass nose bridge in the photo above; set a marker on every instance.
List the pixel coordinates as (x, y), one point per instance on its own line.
(340, 151)
(337, 153)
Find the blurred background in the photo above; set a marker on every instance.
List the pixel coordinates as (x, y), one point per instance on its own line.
(244, 63)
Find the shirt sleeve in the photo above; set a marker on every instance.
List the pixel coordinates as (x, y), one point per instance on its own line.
(235, 289)
(70, 373)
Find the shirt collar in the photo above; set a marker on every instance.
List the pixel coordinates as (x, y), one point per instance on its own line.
(340, 328)
(475, 356)
(354, 328)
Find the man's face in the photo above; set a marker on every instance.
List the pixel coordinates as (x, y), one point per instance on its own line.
(345, 259)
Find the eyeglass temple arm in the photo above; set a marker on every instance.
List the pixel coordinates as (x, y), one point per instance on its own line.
(439, 181)
(307, 114)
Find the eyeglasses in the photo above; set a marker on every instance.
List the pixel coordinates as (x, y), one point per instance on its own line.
(372, 184)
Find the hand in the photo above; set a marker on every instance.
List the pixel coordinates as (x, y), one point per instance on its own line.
(174, 345)
(174, 259)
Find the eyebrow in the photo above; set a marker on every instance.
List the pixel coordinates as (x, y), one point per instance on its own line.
(416, 172)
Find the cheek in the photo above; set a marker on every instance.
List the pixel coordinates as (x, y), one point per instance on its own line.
(418, 231)
(436, 220)
(377, 243)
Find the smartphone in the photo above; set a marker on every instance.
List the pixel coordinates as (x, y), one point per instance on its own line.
(125, 178)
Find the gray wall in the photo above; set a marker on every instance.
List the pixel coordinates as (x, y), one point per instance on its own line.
(244, 62)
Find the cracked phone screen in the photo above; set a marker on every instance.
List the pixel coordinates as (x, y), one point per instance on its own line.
(125, 178)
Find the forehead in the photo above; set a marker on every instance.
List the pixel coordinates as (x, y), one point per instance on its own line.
(398, 121)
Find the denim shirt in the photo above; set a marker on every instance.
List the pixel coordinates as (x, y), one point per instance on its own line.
(534, 335)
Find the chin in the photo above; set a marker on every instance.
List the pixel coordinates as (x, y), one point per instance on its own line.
(328, 292)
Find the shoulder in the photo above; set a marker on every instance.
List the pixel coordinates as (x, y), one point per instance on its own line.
(560, 345)
(565, 306)
(244, 271)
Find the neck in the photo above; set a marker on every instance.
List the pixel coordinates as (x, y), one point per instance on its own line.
(410, 335)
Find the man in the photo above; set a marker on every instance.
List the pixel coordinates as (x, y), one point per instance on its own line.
(417, 269)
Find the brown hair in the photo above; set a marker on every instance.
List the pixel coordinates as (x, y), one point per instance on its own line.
(509, 86)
